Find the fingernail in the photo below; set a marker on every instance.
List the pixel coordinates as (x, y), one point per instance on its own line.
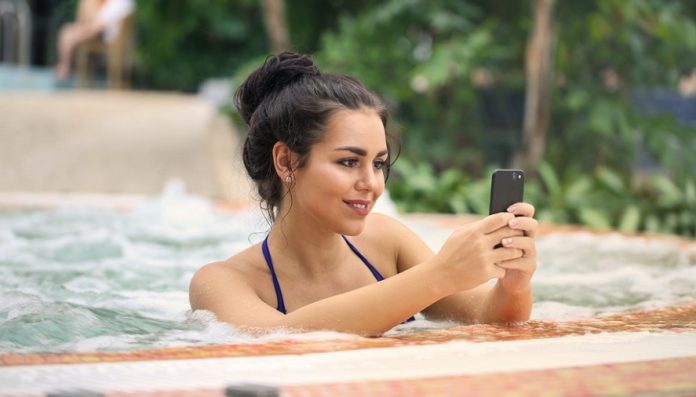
(511, 208)
(512, 222)
(507, 241)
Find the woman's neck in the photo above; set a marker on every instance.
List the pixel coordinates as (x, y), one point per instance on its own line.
(312, 249)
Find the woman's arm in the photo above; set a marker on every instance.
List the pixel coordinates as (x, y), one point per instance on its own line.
(370, 310)
(509, 300)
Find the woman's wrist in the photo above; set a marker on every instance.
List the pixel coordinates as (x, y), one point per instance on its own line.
(502, 306)
(514, 292)
(439, 281)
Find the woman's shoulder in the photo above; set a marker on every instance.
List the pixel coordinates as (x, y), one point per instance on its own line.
(238, 270)
(234, 289)
(389, 231)
(238, 262)
(382, 238)
(384, 226)
(391, 235)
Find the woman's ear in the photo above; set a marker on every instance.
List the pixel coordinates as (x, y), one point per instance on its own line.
(283, 160)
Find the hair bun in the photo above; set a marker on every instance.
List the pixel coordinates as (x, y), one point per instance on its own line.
(276, 73)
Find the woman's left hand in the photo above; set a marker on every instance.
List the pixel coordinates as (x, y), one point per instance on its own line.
(519, 271)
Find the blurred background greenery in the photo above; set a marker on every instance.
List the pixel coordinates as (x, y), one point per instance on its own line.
(619, 146)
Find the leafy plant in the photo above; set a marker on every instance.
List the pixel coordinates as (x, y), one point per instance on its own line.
(420, 189)
(182, 42)
(610, 56)
(419, 56)
(605, 200)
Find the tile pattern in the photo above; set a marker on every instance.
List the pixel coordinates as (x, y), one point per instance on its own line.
(672, 377)
(675, 319)
(675, 377)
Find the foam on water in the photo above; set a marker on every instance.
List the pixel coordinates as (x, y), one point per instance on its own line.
(79, 279)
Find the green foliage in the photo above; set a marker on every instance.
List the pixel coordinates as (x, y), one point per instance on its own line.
(419, 55)
(450, 192)
(609, 53)
(309, 19)
(602, 199)
(608, 56)
(182, 42)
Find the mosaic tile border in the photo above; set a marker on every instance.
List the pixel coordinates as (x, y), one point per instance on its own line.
(673, 377)
(675, 319)
(676, 377)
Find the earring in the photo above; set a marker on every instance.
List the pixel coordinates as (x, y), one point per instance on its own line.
(288, 179)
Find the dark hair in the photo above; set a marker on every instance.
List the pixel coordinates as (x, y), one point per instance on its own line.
(288, 99)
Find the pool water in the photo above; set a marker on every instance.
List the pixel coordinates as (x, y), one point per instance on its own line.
(86, 279)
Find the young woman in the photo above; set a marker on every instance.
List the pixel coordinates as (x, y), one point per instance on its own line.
(317, 150)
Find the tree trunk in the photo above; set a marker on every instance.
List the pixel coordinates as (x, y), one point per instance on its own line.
(539, 72)
(276, 27)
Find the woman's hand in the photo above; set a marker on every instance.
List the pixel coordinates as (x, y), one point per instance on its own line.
(519, 270)
(469, 257)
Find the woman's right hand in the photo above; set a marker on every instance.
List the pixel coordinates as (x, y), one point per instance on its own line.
(468, 257)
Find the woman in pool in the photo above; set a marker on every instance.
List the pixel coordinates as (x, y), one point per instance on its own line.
(317, 150)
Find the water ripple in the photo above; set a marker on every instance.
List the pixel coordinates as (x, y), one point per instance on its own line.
(79, 279)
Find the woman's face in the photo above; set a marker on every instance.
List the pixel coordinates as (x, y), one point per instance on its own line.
(344, 174)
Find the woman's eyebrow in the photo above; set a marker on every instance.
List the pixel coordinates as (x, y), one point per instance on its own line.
(360, 151)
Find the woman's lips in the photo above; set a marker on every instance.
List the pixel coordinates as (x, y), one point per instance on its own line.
(360, 207)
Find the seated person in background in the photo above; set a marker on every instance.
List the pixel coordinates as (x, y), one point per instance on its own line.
(94, 17)
(317, 150)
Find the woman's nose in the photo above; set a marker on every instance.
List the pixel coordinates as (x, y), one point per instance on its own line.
(368, 180)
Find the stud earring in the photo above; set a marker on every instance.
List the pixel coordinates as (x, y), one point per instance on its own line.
(288, 179)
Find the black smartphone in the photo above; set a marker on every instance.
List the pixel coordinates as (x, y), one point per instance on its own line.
(507, 188)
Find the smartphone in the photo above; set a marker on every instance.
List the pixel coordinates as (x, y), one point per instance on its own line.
(507, 188)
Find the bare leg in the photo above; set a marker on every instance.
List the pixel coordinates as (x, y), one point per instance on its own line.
(69, 38)
(71, 35)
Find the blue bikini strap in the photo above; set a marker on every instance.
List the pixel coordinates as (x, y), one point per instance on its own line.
(367, 263)
(276, 285)
(374, 271)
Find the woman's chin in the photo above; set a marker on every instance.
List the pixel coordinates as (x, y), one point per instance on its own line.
(353, 228)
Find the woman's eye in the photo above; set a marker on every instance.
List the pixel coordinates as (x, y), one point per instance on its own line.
(349, 162)
(380, 164)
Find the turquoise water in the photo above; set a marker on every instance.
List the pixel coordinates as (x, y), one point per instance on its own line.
(79, 279)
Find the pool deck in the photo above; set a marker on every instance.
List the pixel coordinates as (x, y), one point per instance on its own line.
(126, 144)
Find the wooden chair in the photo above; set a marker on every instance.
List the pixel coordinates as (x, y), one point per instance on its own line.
(117, 54)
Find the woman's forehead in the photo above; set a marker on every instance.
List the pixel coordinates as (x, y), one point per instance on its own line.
(361, 128)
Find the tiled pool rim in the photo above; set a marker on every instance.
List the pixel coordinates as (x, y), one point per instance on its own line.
(680, 318)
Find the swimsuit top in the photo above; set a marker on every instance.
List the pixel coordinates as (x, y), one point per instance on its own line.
(276, 285)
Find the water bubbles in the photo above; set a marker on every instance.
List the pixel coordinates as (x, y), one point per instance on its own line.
(604, 274)
(82, 279)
